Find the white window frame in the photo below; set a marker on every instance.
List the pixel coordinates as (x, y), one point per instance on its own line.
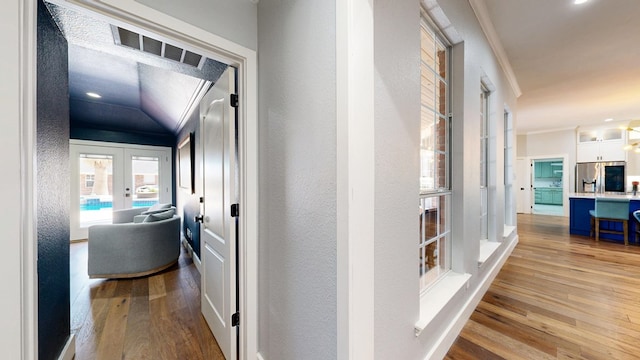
(443, 194)
(435, 298)
(509, 195)
(484, 162)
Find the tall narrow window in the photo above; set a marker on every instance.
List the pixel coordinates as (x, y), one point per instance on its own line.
(435, 190)
(484, 163)
(508, 170)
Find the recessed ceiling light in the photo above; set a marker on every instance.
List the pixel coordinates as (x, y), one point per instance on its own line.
(609, 119)
(94, 95)
(577, 2)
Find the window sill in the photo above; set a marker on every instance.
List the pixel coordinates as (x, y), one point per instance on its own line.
(436, 298)
(487, 248)
(508, 230)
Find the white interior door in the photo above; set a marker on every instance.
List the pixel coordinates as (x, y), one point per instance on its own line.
(218, 231)
(108, 176)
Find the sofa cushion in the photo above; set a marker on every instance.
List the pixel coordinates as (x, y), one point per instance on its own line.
(164, 215)
(156, 208)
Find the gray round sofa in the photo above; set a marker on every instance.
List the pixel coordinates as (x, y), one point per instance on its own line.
(139, 242)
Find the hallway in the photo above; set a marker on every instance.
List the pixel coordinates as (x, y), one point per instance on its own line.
(558, 297)
(154, 317)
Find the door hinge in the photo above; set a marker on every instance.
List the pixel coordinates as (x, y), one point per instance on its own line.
(235, 319)
(235, 210)
(234, 100)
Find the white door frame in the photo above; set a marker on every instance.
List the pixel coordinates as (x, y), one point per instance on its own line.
(565, 179)
(523, 180)
(210, 45)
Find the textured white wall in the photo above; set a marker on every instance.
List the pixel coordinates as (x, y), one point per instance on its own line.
(521, 146)
(552, 143)
(297, 247)
(397, 95)
(474, 62)
(397, 173)
(234, 20)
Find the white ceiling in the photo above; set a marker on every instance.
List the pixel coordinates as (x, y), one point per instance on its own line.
(575, 64)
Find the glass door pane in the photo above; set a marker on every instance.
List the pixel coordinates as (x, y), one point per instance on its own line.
(147, 174)
(145, 180)
(107, 177)
(96, 189)
(96, 186)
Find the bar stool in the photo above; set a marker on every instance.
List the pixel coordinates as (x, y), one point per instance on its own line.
(636, 216)
(612, 210)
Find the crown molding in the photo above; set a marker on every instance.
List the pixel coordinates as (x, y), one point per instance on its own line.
(480, 9)
(545, 131)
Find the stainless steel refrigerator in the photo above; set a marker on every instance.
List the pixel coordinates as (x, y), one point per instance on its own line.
(601, 177)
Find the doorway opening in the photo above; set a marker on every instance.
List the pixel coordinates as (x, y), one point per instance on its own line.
(548, 188)
(244, 60)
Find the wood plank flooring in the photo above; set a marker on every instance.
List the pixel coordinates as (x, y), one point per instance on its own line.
(558, 297)
(153, 317)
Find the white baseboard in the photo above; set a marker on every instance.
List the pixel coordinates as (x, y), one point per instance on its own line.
(194, 256)
(69, 350)
(444, 342)
(196, 261)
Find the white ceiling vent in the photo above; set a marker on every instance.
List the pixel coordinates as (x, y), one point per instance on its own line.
(149, 45)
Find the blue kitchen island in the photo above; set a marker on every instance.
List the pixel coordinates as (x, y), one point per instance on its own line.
(580, 220)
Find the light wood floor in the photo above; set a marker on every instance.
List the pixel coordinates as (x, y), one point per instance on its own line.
(558, 297)
(153, 317)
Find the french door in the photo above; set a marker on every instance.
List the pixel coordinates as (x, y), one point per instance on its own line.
(110, 176)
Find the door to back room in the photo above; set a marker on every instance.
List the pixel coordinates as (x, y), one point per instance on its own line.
(548, 194)
(109, 176)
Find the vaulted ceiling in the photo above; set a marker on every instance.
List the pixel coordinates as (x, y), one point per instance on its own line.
(150, 91)
(576, 64)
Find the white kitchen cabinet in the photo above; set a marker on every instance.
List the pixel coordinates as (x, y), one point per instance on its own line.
(600, 145)
(612, 150)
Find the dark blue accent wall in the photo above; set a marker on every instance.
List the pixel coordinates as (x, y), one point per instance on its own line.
(53, 182)
(191, 210)
(125, 137)
(192, 201)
